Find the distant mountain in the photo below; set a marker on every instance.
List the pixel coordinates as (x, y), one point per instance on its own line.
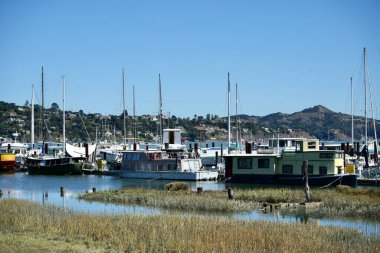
(316, 122)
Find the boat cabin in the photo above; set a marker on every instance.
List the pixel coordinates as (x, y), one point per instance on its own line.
(157, 160)
(267, 166)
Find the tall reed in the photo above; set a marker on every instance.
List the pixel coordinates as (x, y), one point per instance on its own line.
(128, 233)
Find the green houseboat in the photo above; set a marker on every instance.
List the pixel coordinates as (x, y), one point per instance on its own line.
(325, 167)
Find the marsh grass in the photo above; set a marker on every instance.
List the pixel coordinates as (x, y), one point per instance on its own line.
(177, 186)
(342, 200)
(47, 225)
(174, 200)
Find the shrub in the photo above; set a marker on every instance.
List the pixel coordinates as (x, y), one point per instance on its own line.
(177, 186)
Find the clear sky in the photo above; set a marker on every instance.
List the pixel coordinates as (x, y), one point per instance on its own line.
(285, 55)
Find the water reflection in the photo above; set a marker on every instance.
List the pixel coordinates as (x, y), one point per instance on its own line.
(47, 190)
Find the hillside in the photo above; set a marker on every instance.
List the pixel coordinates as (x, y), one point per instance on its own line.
(318, 122)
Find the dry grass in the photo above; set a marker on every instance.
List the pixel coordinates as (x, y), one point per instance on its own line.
(46, 225)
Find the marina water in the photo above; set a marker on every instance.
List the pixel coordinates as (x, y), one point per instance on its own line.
(47, 190)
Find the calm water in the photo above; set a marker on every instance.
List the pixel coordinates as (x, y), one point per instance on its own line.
(46, 189)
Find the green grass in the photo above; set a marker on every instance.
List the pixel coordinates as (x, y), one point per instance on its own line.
(173, 200)
(26, 225)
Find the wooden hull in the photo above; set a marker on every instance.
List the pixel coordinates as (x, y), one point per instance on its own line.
(320, 180)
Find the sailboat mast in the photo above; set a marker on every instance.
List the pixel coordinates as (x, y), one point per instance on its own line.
(229, 117)
(42, 130)
(236, 116)
(159, 87)
(352, 115)
(134, 116)
(365, 98)
(32, 116)
(124, 127)
(64, 113)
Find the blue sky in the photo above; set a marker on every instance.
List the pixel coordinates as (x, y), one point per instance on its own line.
(285, 55)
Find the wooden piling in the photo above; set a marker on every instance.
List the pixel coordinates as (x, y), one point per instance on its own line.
(230, 193)
(216, 159)
(199, 190)
(306, 180)
(94, 189)
(62, 191)
(1, 193)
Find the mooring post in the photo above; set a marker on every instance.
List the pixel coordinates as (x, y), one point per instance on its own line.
(94, 189)
(1, 193)
(306, 180)
(230, 193)
(62, 191)
(199, 190)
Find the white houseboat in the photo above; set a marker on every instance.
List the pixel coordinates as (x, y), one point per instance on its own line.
(171, 162)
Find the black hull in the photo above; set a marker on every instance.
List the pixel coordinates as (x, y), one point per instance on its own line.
(64, 169)
(324, 180)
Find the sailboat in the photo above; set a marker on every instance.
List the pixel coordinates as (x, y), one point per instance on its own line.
(371, 170)
(110, 157)
(56, 164)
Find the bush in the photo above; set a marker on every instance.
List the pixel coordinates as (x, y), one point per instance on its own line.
(177, 186)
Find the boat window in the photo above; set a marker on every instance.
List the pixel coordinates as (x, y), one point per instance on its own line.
(244, 163)
(312, 145)
(310, 169)
(263, 163)
(323, 170)
(326, 155)
(287, 169)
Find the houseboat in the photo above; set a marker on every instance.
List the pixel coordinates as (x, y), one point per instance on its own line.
(325, 167)
(70, 163)
(54, 165)
(170, 162)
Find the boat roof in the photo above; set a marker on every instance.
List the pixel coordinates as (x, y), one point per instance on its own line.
(253, 155)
